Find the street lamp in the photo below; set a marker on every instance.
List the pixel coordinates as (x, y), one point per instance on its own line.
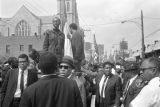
(142, 31)
(138, 24)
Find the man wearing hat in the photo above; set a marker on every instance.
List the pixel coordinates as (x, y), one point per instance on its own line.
(66, 69)
(133, 85)
(51, 90)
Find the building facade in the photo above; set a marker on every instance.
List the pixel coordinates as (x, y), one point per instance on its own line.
(24, 31)
(71, 10)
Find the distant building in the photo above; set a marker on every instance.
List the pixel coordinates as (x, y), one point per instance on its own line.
(88, 50)
(24, 31)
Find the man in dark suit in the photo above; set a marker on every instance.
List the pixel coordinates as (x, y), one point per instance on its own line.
(134, 85)
(109, 88)
(51, 90)
(16, 81)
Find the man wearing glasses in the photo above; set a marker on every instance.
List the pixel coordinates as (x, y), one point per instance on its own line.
(51, 90)
(16, 81)
(109, 88)
(134, 85)
(150, 94)
(66, 69)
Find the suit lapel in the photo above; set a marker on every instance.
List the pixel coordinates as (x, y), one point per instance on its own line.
(98, 79)
(108, 84)
(16, 75)
(15, 79)
(28, 78)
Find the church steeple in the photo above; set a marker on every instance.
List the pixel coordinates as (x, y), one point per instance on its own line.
(71, 10)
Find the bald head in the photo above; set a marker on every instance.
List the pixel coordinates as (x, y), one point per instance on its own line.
(150, 68)
(152, 62)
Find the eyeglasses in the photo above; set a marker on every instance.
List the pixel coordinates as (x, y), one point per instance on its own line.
(64, 66)
(22, 61)
(143, 69)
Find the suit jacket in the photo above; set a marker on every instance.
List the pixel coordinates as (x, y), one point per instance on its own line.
(133, 91)
(52, 91)
(113, 91)
(9, 85)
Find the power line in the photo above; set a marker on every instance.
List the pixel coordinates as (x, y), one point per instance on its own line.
(102, 24)
(6, 22)
(82, 19)
(154, 18)
(152, 33)
(32, 7)
(40, 6)
(146, 37)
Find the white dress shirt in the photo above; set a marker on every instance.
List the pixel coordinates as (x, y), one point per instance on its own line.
(18, 90)
(132, 79)
(149, 95)
(101, 85)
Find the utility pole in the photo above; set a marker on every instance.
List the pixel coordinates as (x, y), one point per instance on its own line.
(142, 28)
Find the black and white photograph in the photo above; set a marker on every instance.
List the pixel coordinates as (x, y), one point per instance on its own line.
(79, 53)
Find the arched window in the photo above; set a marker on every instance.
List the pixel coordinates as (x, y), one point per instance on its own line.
(68, 6)
(23, 29)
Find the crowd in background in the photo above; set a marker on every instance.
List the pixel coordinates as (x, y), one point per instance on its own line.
(124, 87)
(52, 79)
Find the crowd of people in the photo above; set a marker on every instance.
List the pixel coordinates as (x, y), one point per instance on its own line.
(51, 79)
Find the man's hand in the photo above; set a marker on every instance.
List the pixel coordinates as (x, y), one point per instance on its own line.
(68, 36)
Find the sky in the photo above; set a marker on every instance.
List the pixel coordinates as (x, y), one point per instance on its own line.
(103, 18)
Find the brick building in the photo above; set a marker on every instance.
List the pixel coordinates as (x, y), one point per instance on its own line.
(24, 31)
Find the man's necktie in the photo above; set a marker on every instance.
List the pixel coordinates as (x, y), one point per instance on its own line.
(22, 82)
(126, 90)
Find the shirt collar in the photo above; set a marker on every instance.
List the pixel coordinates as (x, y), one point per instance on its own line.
(47, 75)
(20, 70)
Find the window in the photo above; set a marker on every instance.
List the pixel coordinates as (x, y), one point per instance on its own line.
(22, 29)
(21, 48)
(29, 48)
(68, 6)
(8, 49)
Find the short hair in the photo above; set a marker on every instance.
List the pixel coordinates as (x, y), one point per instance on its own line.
(23, 56)
(47, 63)
(107, 63)
(73, 26)
(13, 62)
(155, 61)
(56, 18)
(34, 55)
